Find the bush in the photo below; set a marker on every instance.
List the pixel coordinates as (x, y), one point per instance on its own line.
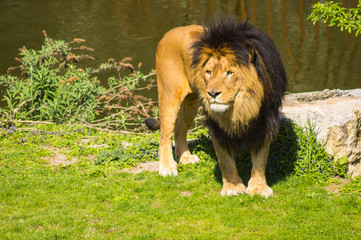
(49, 86)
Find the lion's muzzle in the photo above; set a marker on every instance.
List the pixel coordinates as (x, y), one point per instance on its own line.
(215, 103)
(218, 107)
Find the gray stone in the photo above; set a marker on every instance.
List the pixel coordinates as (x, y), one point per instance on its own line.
(337, 115)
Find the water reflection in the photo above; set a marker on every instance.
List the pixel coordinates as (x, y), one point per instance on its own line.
(315, 57)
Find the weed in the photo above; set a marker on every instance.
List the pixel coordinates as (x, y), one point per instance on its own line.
(352, 187)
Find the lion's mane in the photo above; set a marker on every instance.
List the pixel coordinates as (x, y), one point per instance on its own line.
(252, 49)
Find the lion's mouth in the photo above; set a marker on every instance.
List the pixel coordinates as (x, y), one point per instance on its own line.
(218, 107)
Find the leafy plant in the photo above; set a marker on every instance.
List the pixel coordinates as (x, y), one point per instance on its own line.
(105, 157)
(48, 85)
(296, 151)
(334, 14)
(313, 160)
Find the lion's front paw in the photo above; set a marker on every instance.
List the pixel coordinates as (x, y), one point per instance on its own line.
(260, 189)
(168, 169)
(233, 189)
(189, 159)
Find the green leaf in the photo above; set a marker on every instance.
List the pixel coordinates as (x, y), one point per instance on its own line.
(342, 160)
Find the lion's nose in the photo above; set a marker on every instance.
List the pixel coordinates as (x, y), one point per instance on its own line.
(214, 93)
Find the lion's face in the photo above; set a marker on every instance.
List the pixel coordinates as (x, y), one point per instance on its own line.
(220, 84)
(231, 88)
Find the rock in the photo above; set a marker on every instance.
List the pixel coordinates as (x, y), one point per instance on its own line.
(337, 115)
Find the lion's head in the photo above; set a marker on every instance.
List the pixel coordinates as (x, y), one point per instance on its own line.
(239, 76)
(229, 88)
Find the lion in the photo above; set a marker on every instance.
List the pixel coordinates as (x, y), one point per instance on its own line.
(234, 70)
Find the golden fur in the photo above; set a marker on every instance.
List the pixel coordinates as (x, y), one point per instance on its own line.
(231, 94)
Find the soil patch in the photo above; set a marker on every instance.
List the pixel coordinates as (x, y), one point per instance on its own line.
(143, 167)
(335, 187)
(58, 158)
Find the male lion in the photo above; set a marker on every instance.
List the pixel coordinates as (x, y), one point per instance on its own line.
(235, 71)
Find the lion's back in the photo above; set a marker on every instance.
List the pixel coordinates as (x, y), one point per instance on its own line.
(178, 40)
(174, 58)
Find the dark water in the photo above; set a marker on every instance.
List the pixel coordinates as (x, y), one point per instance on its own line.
(315, 57)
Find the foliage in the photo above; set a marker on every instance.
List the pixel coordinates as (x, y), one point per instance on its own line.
(296, 151)
(131, 156)
(312, 159)
(48, 85)
(106, 157)
(336, 15)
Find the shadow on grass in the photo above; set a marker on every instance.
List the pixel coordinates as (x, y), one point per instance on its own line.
(281, 159)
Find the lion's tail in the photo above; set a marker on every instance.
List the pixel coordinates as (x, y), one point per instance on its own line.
(152, 124)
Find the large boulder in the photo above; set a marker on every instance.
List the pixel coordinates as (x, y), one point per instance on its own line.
(337, 115)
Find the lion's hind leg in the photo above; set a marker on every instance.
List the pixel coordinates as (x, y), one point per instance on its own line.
(169, 106)
(185, 118)
(167, 165)
(258, 184)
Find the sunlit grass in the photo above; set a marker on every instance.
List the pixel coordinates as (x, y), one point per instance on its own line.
(92, 199)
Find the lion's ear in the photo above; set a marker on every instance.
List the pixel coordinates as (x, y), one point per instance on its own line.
(252, 55)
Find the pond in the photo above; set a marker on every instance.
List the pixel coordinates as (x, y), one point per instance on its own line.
(316, 57)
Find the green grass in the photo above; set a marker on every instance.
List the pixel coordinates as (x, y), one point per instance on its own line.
(94, 199)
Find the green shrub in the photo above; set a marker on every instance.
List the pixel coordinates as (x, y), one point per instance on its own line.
(48, 85)
(296, 151)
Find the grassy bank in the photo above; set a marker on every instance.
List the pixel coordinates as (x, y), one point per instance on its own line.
(61, 182)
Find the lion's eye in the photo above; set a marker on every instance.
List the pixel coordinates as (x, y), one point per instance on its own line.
(229, 73)
(209, 72)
